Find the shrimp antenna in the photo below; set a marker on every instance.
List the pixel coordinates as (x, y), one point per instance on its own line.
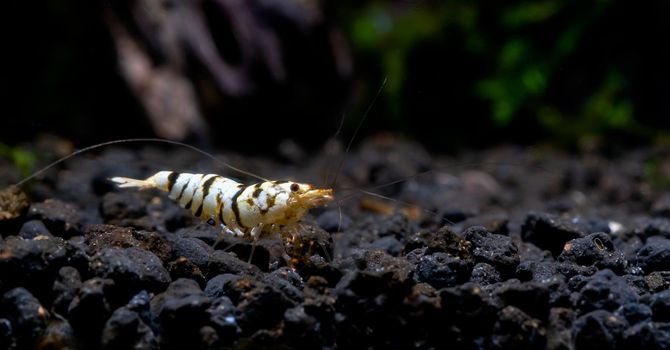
(337, 133)
(358, 128)
(157, 140)
(372, 194)
(441, 169)
(354, 191)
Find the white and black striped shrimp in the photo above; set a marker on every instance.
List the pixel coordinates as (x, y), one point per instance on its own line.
(269, 206)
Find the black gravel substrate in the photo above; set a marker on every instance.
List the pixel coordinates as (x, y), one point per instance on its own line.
(503, 249)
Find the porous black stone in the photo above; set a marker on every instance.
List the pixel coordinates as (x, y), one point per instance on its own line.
(595, 249)
(604, 290)
(132, 269)
(181, 311)
(32, 229)
(126, 330)
(192, 249)
(223, 262)
(549, 231)
(65, 288)
(654, 255)
(599, 329)
(58, 335)
(516, 330)
(61, 218)
(442, 270)
(222, 318)
(34, 263)
(660, 306)
(484, 274)
(27, 316)
(635, 313)
(647, 335)
(496, 250)
(90, 309)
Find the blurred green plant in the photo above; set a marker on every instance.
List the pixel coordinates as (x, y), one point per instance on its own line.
(23, 159)
(390, 34)
(522, 48)
(525, 64)
(605, 111)
(656, 174)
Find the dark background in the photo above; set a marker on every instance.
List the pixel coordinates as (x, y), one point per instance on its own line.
(459, 74)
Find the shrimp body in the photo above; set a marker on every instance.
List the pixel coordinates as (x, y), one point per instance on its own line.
(240, 209)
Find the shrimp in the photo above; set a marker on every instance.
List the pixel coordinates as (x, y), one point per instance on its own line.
(241, 210)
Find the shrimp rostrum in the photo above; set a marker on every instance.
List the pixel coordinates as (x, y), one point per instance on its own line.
(242, 210)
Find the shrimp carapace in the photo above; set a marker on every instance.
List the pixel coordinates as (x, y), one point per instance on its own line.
(240, 209)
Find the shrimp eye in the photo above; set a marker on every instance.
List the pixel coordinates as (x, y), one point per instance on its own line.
(295, 187)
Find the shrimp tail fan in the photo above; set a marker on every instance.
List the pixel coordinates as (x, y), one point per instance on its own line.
(128, 182)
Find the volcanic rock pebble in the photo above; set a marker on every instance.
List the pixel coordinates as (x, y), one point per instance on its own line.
(660, 306)
(530, 270)
(496, 223)
(65, 288)
(132, 269)
(299, 324)
(184, 268)
(334, 221)
(484, 274)
(99, 237)
(143, 210)
(285, 286)
(377, 265)
(442, 270)
(604, 290)
(33, 263)
(58, 335)
(530, 297)
(182, 300)
(125, 329)
(599, 329)
(13, 203)
(90, 309)
(216, 286)
(595, 249)
(319, 304)
(262, 252)
(390, 244)
(27, 316)
(635, 313)
(375, 283)
(648, 227)
(494, 249)
(260, 306)
(193, 249)
(514, 329)
(122, 207)
(559, 323)
(223, 320)
(549, 231)
(306, 243)
(469, 309)
(223, 262)
(141, 303)
(444, 240)
(5, 333)
(647, 335)
(654, 255)
(202, 231)
(32, 229)
(61, 218)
